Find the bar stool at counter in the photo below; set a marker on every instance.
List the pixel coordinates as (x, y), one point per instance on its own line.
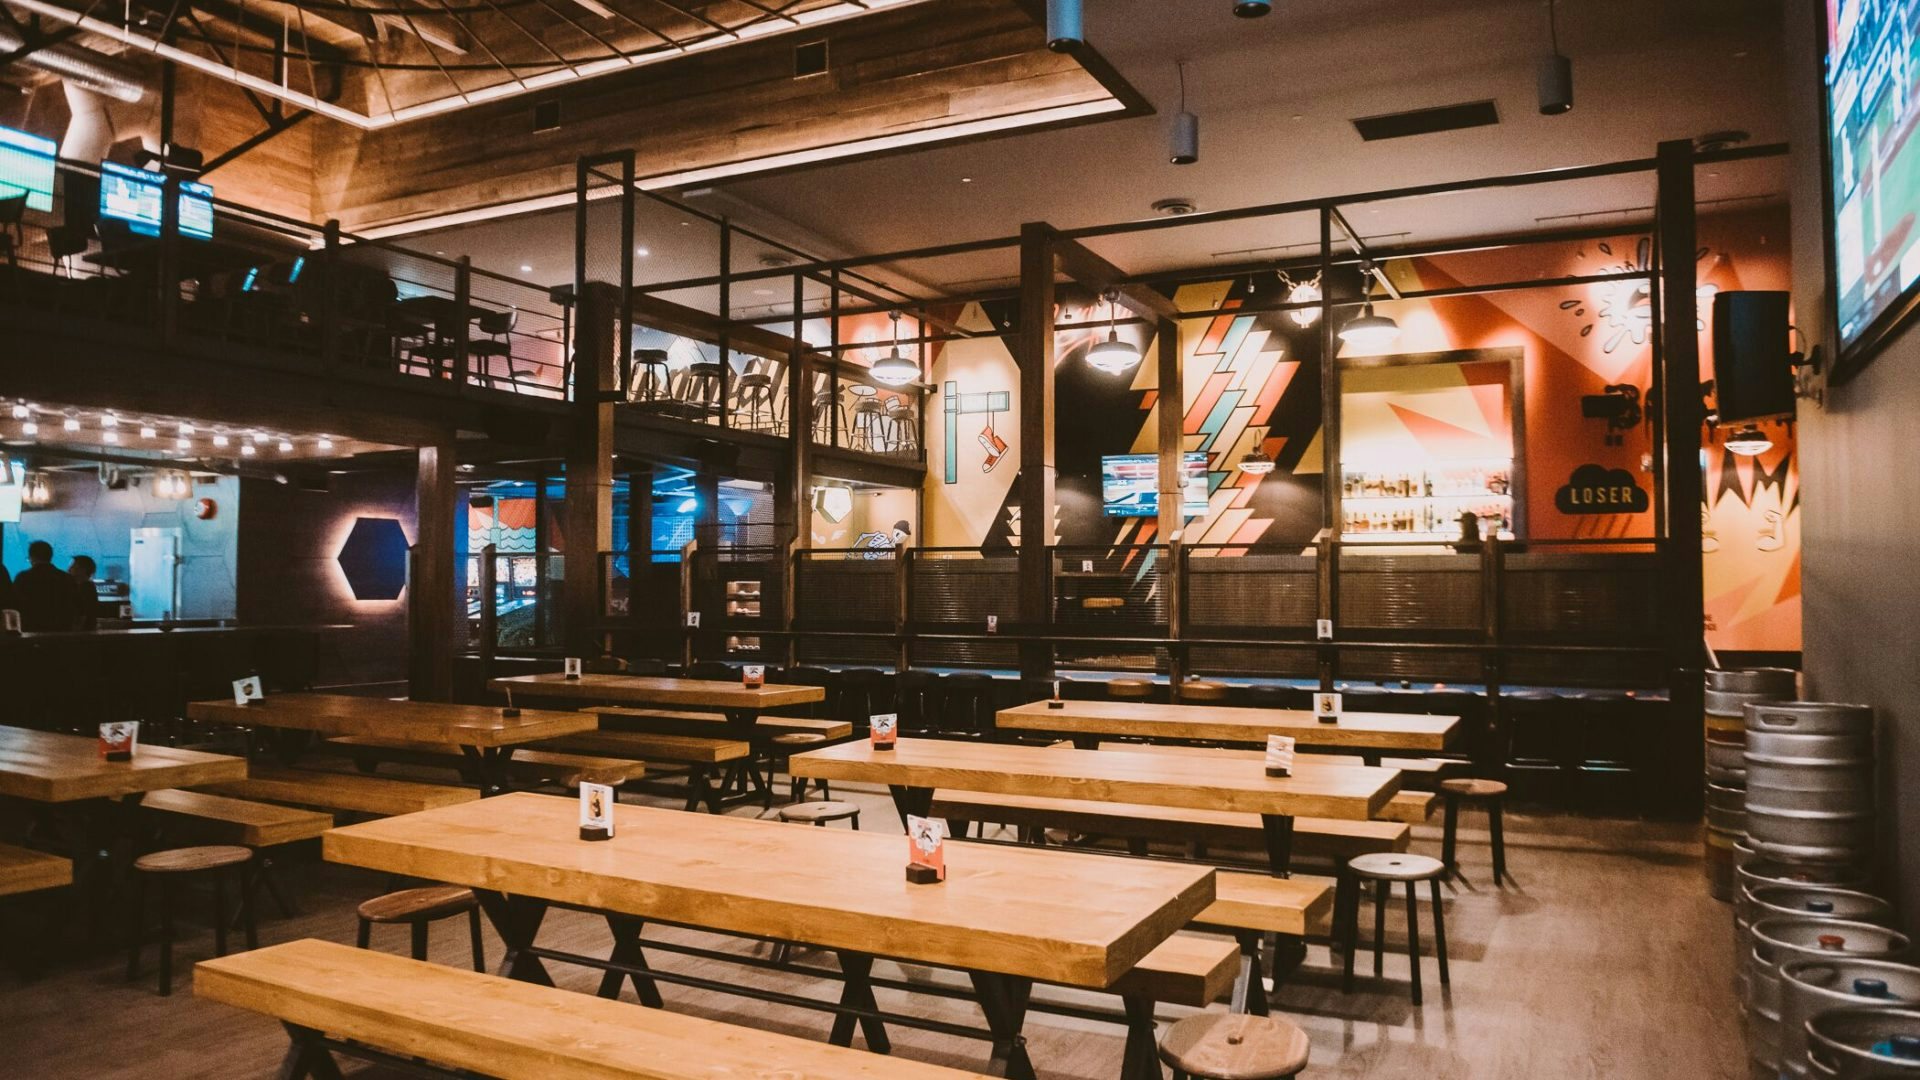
(1385, 868)
(1234, 1046)
(1129, 689)
(1203, 693)
(1489, 793)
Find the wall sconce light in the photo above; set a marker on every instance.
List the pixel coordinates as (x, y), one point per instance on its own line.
(172, 484)
(833, 503)
(36, 492)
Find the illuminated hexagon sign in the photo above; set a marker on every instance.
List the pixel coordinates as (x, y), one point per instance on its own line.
(374, 559)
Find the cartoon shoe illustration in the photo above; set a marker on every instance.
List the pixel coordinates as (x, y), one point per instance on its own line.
(995, 446)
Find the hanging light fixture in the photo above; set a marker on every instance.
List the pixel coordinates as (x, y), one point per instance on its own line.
(1369, 331)
(895, 369)
(36, 491)
(1303, 292)
(1252, 9)
(1065, 31)
(1556, 72)
(1183, 141)
(1113, 356)
(1256, 462)
(1749, 441)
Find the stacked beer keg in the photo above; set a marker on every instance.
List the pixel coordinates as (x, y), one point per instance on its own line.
(1727, 697)
(1809, 939)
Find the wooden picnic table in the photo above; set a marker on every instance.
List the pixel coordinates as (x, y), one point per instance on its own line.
(487, 736)
(99, 798)
(914, 768)
(1367, 732)
(741, 704)
(1007, 916)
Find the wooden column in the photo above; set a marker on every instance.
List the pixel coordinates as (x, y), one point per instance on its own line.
(431, 599)
(1677, 369)
(1034, 352)
(1171, 415)
(589, 505)
(797, 499)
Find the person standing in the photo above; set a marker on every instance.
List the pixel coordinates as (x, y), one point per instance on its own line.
(42, 594)
(81, 570)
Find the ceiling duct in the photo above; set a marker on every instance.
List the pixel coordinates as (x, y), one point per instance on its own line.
(80, 67)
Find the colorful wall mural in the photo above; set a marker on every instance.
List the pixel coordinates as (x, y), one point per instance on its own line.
(1253, 379)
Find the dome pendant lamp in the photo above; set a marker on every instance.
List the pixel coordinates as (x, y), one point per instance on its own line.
(1371, 332)
(1113, 356)
(895, 369)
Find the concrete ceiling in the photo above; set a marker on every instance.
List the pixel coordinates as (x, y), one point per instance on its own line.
(1276, 97)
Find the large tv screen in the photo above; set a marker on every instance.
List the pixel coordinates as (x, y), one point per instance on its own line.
(133, 196)
(196, 210)
(1871, 67)
(1130, 484)
(26, 166)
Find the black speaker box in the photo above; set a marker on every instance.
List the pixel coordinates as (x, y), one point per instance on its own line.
(1752, 375)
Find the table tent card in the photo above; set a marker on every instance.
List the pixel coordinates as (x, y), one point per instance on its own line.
(119, 740)
(926, 850)
(596, 812)
(573, 667)
(248, 690)
(753, 676)
(1279, 755)
(1326, 708)
(885, 728)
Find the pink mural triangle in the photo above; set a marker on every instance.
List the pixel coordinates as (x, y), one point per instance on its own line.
(1435, 434)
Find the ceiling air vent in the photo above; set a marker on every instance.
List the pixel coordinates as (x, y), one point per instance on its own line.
(809, 58)
(1427, 121)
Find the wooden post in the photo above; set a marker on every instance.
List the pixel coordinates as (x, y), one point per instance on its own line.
(639, 551)
(1034, 353)
(589, 505)
(1329, 552)
(431, 599)
(1170, 406)
(1682, 413)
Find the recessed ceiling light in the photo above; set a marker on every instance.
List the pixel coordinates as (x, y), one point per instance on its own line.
(642, 252)
(526, 268)
(966, 179)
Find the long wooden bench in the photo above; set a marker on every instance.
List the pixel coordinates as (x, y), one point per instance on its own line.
(343, 792)
(692, 722)
(1185, 969)
(529, 765)
(460, 1020)
(698, 755)
(1325, 839)
(240, 821)
(24, 870)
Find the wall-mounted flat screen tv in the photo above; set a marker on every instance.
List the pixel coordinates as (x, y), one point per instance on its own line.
(26, 167)
(196, 210)
(133, 196)
(1130, 484)
(1872, 114)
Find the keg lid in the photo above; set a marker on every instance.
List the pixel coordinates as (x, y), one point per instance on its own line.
(1820, 907)
(1873, 988)
(1831, 941)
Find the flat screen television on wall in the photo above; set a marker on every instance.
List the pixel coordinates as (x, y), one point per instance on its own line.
(1130, 484)
(26, 168)
(1872, 71)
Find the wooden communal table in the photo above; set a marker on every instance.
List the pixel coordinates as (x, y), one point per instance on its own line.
(915, 767)
(1007, 916)
(67, 773)
(487, 737)
(741, 704)
(1368, 733)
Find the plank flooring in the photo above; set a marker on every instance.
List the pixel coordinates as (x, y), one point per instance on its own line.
(1607, 960)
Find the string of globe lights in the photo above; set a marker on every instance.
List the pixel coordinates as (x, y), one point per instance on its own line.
(113, 428)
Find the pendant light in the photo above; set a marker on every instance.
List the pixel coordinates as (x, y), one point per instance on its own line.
(1369, 331)
(1252, 9)
(36, 491)
(895, 369)
(1303, 292)
(1065, 31)
(1556, 72)
(1256, 463)
(1113, 356)
(1183, 141)
(1749, 441)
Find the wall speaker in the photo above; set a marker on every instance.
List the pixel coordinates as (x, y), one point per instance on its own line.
(1752, 374)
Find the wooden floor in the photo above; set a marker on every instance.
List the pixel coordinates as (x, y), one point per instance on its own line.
(1608, 960)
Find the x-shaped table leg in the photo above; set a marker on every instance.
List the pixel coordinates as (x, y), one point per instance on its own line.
(517, 920)
(857, 993)
(627, 952)
(1003, 998)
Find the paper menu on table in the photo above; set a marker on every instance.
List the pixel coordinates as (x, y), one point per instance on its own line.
(1280, 755)
(927, 844)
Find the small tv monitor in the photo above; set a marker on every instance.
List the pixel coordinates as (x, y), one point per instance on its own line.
(133, 196)
(26, 167)
(1130, 484)
(196, 210)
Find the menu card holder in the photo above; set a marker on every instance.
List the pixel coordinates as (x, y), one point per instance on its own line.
(753, 676)
(884, 728)
(596, 812)
(1279, 755)
(119, 740)
(1326, 708)
(926, 850)
(248, 690)
(1054, 702)
(573, 667)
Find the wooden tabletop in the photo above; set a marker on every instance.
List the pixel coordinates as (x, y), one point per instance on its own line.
(420, 721)
(1334, 791)
(46, 767)
(1221, 723)
(658, 690)
(1057, 916)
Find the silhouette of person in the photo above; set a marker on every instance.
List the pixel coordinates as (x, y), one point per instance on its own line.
(42, 594)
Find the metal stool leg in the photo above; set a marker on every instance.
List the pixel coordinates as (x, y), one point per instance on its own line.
(1413, 939)
(1382, 895)
(1499, 842)
(1439, 929)
(1352, 932)
(219, 914)
(479, 950)
(166, 938)
(1450, 830)
(420, 940)
(365, 938)
(136, 931)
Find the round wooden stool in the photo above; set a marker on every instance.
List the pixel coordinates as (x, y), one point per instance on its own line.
(819, 813)
(1385, 868)
(1129, 689)
(1203, 692)
(1234, 1046)
(165, 868)
(1489, 793)
(419, 908)
(789, 744)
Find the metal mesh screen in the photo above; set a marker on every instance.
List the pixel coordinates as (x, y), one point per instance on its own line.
(1261, 593)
